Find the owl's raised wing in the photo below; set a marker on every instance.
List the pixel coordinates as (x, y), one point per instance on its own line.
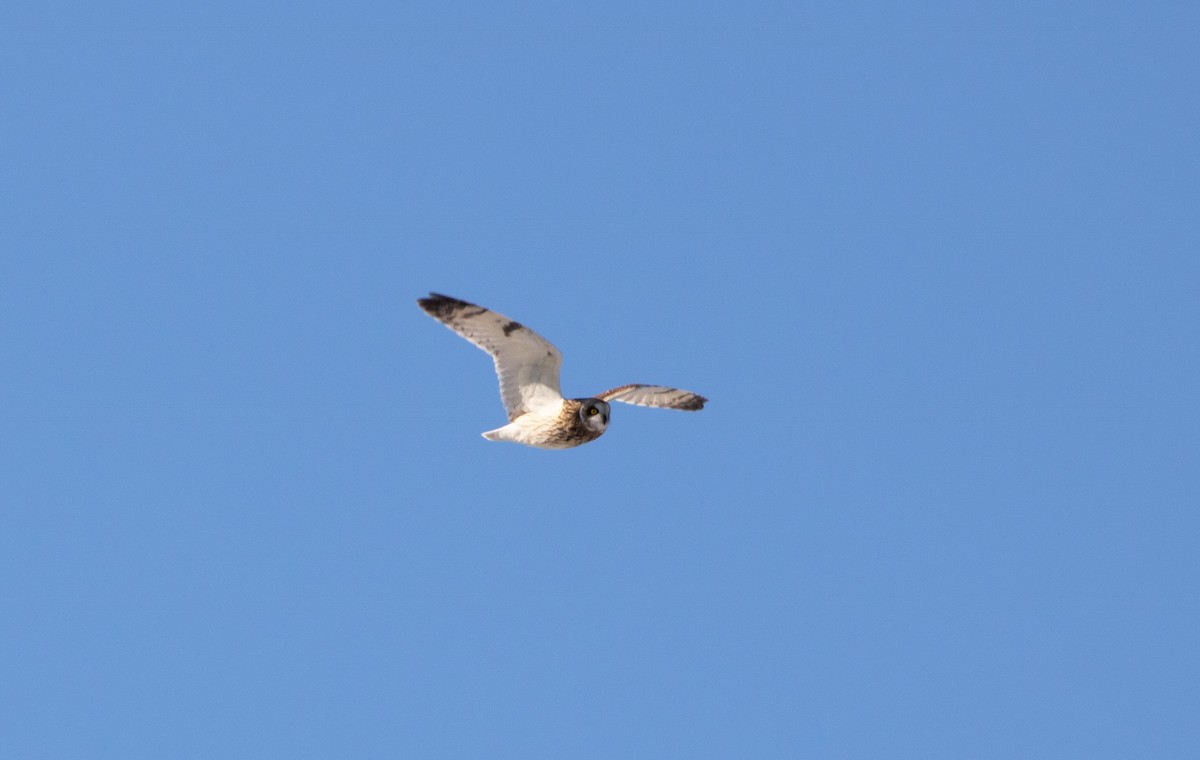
(655, 395)
(526, 363)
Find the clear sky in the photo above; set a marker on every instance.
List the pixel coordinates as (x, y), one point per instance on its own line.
(936, 265)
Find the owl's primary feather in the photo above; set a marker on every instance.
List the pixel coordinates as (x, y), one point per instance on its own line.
(528, 367)
(526, 363)
(655, 395)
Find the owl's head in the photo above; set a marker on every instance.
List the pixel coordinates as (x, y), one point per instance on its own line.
(594, 414)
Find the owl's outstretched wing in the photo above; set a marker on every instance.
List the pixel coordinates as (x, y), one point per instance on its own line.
(526, 363)
(655, 395)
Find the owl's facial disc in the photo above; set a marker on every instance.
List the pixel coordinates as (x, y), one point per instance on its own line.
(594, 414)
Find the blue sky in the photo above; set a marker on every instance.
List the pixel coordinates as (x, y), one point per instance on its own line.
(935, 265)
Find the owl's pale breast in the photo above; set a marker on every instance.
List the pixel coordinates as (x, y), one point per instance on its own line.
(563, 431)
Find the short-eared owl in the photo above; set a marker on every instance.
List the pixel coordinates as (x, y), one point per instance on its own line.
(528, 365)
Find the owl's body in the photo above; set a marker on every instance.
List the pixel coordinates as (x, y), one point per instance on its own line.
(556, 426)
(528, 367)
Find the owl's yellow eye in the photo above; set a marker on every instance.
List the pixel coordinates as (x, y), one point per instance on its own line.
(593, 411)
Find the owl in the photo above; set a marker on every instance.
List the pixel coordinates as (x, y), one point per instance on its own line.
(528, 367)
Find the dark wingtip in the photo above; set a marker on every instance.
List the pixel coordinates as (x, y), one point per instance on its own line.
(438, 305)
(694, 404)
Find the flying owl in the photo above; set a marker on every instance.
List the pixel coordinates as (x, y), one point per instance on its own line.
(528, 365)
